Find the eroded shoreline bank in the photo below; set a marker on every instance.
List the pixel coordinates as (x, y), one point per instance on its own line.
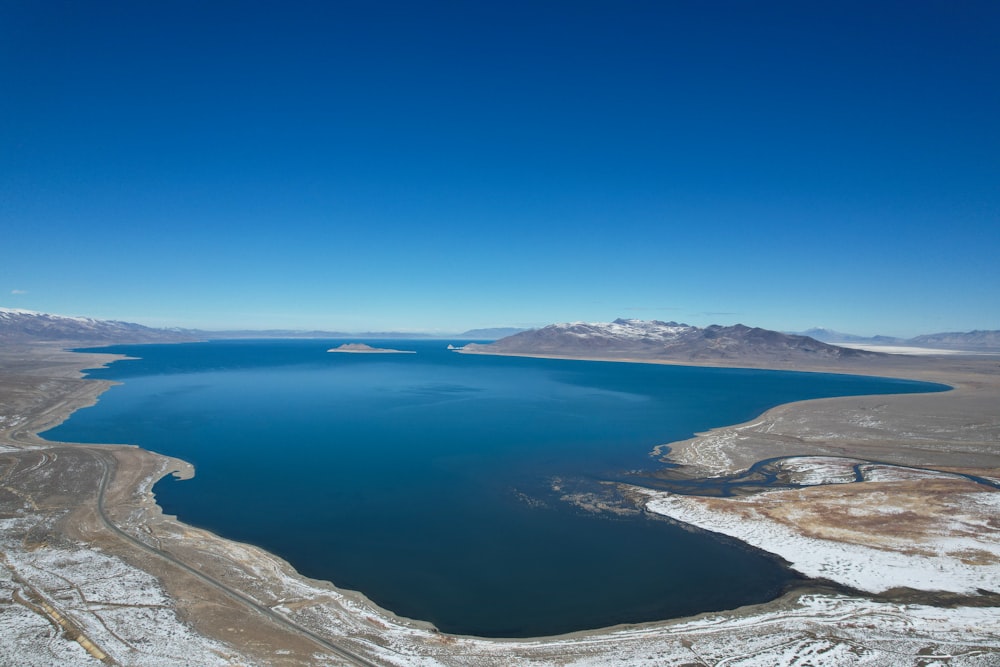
(376, 636)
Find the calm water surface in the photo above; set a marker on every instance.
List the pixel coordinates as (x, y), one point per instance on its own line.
(426, 480)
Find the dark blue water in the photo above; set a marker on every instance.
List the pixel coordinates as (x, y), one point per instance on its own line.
(426, 480)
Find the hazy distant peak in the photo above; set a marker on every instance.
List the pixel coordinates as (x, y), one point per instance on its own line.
(831, 336)
(972, 340)
(491, 333)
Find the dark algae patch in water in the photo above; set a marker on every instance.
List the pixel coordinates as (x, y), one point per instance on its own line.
(434, 482)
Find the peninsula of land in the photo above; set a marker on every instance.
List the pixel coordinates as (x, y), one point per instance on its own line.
(92, 570)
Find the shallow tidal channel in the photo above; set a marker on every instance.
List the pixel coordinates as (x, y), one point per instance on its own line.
(440, 484)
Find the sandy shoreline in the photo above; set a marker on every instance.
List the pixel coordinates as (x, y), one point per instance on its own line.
(227, 617)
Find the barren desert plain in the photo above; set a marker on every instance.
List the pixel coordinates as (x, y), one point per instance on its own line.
(896, 524)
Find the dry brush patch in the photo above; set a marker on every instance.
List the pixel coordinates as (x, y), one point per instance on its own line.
(892, 515)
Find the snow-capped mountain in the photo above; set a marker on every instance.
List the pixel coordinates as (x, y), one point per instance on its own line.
(18, 326)
(667, 340)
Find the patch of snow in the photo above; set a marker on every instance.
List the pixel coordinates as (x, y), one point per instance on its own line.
(33, 313)
(121, 609)
(862, 567)
(817, 470)
(625, 330)
(886, 473)
(18, 311)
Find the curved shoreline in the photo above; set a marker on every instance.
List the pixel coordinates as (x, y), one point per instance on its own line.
(373, 632)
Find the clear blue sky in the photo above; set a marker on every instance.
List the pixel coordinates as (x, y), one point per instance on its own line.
(447, 165)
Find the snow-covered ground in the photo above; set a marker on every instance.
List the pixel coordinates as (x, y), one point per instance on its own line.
(816, 470)
(120, 610)
(127, 615)
(879, 535)
(809, 629)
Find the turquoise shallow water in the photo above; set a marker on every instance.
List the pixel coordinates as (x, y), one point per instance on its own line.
(426, 480)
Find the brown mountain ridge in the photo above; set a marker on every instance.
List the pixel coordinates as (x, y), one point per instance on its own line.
(655, 340)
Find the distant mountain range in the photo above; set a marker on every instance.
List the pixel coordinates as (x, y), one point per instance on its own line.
(621, 338)
(830, 336)
(973, 341)
(640, 339)
(970, 340)
(21, 326)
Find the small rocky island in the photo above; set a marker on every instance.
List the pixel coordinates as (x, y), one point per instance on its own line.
(361, 348)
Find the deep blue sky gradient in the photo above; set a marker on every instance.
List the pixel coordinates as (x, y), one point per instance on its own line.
(448, 165)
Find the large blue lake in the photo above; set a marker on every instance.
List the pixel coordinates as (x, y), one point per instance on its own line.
(434, 482)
